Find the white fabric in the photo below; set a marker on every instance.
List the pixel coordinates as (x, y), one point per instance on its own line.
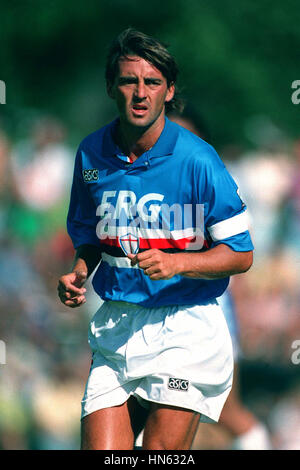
(229, 227)
(119, 262)
(137, 350)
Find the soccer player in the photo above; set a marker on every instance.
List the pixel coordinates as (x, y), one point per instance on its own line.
(154, 206)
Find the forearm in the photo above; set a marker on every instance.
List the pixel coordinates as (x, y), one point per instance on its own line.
(86, 259)
(215, 263)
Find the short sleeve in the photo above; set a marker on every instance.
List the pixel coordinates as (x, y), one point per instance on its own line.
(226, 216)
(81, 219)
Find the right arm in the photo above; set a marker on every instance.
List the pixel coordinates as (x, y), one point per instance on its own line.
(70, 286)
(81, 224)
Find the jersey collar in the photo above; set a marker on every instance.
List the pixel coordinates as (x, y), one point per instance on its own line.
(164, 145)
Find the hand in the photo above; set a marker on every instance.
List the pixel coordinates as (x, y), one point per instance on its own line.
(156, 264)
(70, 290)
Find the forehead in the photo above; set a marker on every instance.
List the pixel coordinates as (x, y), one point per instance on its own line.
(137, 66)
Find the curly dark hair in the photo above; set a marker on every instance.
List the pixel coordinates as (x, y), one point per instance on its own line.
(132, 42)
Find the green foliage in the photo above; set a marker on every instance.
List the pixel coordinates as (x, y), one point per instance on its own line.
(237, 59)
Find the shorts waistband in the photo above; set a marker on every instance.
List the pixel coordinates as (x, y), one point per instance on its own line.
(122, 303)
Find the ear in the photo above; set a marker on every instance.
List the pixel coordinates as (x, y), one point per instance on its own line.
(170, 92)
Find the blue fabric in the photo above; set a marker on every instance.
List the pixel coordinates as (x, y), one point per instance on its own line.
(180, 170)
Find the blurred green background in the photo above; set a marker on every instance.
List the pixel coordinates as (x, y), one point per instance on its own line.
(237, 60)
(237, 63)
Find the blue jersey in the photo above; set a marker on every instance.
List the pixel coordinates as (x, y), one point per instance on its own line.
(177, 197)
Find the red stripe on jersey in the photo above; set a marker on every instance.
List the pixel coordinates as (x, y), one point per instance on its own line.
(159, 243)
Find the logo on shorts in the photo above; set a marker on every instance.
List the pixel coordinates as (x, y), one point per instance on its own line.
(90, 175)
(178, 384)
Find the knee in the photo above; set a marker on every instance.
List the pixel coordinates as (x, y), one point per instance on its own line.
(163, 443)
(155, 444)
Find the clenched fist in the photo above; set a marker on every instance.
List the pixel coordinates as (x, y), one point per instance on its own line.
(156, 264)
(70, 289)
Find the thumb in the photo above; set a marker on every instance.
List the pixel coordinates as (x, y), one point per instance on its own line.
(81, 277)
(133, 258)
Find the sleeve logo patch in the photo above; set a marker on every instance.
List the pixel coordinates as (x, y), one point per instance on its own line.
(90, 175)
(178, 384)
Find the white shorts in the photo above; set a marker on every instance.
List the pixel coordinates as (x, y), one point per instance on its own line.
(232, 322)
(141, 351)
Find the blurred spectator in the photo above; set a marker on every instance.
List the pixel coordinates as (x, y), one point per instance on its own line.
(6, 186)
(42, 171)
(285, 420)
(43, 165)
(288, 233)
(45, 346)
(265, 181)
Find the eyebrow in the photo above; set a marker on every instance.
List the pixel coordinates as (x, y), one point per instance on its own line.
(133, 78)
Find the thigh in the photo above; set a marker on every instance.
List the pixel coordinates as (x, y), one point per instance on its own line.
(109, 428)
(170, 428)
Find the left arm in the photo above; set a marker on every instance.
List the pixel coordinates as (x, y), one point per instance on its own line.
(218, 262)
(224, 218)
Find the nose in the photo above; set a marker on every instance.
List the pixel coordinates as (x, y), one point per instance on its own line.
(140, 91)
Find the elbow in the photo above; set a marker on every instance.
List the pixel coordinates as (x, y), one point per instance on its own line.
(247, 261)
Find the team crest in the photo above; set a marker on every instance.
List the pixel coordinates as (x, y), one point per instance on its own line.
(129, 243)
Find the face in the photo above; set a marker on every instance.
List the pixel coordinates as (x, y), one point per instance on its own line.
(140, 91)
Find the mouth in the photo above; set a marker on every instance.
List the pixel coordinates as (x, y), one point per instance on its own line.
(139, 109)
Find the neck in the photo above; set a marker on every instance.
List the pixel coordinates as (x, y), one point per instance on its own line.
(135, 141)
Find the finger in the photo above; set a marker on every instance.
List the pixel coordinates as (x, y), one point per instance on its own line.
(137, 259)
(65, 295)
(157, 277)
(72, 280)
(145, 254)
(133, 258)
(68, 287)
(75, 298)
(81, 277)
(145, 264)
(73, 303)
(152, 270)
(64, 298)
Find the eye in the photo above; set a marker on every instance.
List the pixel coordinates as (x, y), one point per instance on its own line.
(152, 81)
(127, 80)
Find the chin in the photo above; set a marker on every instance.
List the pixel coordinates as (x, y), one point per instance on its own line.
(140, 122)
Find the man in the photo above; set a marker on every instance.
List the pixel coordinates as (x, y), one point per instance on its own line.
(155, 206)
